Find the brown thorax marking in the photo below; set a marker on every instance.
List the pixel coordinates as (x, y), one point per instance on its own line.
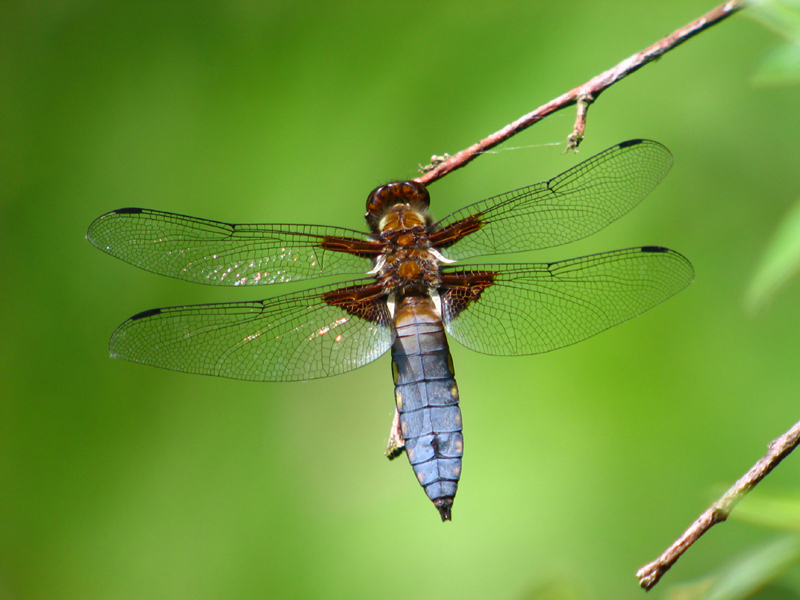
(407, 264)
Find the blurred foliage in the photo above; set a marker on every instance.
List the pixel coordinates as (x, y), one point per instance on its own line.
(781, 64)
(746, 575)
(779, 262)
(779, 512)
(119, 481)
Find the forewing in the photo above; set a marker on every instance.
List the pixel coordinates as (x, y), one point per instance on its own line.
(217, 253)
(568, 207)
(306, 335)
(511, 310)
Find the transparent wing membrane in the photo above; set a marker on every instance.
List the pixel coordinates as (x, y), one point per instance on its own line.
(566, 208)
(531, 308)
(288, 338)
(215, 253)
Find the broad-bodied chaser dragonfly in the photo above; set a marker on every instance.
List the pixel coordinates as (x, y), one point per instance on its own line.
(411, 295)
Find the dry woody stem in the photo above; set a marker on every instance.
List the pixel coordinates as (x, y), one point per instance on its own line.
(778, 450)
(583, 95)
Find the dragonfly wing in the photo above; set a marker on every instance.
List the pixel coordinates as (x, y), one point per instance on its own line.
(217, 253)
(512, 310)
(568, 207)
(305, 335)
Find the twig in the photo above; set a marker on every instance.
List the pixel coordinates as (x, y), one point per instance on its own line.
(778, 450)
(575, 138)
(585, 93)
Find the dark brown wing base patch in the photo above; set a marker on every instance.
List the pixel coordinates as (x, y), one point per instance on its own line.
(362, 248)
(364, 301)
(457, 231)
(459, 289)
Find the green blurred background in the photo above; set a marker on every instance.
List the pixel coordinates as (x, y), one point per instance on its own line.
(122, 481)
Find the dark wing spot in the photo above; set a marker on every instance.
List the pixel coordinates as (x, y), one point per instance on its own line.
(630, 143)
(127, 211)
(145, 314)
(654, 249)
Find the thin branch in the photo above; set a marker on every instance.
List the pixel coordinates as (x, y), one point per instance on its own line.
(587, 93)
(778, 450)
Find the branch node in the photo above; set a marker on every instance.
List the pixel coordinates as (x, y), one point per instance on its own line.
(719, 514)
(436, 160)
(576, 137)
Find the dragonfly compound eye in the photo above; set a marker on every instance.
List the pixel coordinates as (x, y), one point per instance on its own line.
(382, 198)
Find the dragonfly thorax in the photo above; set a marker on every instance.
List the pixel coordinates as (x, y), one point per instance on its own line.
(408, 264)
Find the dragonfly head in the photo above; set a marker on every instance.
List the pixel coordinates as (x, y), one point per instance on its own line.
(383, 199)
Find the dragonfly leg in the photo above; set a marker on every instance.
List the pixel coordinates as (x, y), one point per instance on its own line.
(396, 443)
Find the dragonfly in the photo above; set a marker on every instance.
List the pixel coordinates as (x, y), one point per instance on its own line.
(413, 288)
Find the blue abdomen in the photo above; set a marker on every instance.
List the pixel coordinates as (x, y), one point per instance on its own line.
(427, 400)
